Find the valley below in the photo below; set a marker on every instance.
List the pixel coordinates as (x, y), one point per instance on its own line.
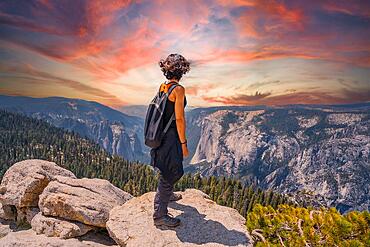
(318, 153)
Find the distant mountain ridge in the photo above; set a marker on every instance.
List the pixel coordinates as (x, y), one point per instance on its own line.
(115, 131)
(140, 110)
(134, 110)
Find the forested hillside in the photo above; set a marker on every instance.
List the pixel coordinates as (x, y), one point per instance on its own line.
(22, 137)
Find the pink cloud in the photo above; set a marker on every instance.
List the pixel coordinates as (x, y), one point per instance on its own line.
(267, 17)
(347, 7)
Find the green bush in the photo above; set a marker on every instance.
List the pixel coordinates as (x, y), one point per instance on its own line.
(295, 226)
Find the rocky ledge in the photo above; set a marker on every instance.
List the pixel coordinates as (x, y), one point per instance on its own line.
(42, 204)
(203, 222)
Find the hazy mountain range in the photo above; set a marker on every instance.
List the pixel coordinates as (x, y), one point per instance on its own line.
(318, 150)
(115, 131)
(140, 110)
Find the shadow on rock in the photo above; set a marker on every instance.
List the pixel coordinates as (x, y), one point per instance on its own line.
(99, 237)
(196, 229)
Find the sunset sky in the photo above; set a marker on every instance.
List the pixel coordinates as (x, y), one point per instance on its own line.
(242, 52)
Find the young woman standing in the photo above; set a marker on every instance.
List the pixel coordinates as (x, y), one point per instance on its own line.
(173, 149)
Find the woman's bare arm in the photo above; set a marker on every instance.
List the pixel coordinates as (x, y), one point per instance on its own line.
(180, 112)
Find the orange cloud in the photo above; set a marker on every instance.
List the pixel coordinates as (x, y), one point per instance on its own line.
(144, 43)
(192, 90)
(86, 45)
(177, 16)
(10, 92)
(281, 11)
(347, 96)
(303, 51)
(233, 3)
(137, 49)
(268, 17)
(196, 89)
(259, 53)
(28, 72)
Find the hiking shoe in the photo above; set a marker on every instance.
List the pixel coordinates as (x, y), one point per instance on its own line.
(175, 197)
(167, 221)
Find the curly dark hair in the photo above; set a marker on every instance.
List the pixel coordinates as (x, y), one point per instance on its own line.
(174, 66)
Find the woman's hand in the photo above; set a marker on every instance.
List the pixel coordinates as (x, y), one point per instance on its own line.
(185, 150)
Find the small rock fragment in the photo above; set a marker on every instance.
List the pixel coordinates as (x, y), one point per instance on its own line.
(57, 227)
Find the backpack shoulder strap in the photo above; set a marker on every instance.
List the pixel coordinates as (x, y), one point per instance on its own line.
(160, 88)
(167, 87)
(172, 87)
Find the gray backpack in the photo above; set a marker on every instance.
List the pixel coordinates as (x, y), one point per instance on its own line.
(154, 127)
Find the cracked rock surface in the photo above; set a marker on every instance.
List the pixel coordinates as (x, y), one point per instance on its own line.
(24, 181)
(85, 200)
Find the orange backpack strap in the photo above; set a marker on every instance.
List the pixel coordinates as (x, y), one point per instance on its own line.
(165, 87)
(160, 88)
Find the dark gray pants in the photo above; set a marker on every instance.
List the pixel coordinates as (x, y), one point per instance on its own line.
(162, 197)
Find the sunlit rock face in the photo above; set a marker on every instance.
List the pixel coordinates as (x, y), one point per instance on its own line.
(24, 181)
(321, 151)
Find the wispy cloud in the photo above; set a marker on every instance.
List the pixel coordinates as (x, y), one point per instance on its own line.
(264, 84)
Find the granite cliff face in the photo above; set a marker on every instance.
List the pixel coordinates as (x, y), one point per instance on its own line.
(115, 131)
(319, 152)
